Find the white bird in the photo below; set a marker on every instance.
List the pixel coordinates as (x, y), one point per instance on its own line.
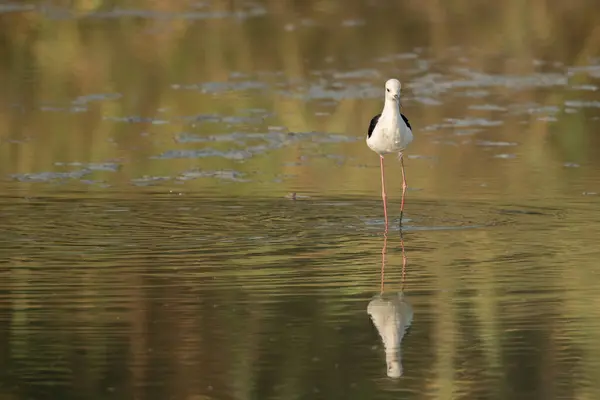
(390, 132)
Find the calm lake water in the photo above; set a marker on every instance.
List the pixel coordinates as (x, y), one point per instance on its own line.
(189, 210)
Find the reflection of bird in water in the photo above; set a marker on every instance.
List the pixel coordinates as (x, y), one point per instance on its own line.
(384, 252)
(392, 315)
(390, 132)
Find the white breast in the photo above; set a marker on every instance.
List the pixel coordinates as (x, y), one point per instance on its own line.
(391, 135)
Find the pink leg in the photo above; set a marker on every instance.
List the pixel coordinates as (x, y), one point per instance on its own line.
(383, 195)
(404, 186)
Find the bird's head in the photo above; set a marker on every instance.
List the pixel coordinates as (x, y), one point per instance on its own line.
(392, 90)
(394, 369)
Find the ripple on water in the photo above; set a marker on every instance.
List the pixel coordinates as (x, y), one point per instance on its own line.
(135, 119)
(147, 180)
(307, 225)
(325, 90)
(467, 132)
(224, 119)
(491, 143)
(590, 88)
(113, 167)
(591, 70)
(250, 144)
(434, 84)
(464, 123)
(357, 74)
(534, 108)
(229, 175)
(487, 107)
(15, 7)
(582, 104)
(186, 137)
(247, 10)
(230, 155)
(82, 100)
(50, 176)
(428, 101)
(397, 57)
(72, 109)
(221, 87)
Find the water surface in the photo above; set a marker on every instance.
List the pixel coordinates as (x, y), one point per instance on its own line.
(189, 209)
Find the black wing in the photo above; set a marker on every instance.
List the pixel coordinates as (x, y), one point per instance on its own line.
(406, 121)
(373, 124)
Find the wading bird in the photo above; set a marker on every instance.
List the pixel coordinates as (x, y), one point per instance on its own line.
(390, 132)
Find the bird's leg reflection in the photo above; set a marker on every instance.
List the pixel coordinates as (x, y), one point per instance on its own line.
(392, 315)
(383, 253)
(404, 261)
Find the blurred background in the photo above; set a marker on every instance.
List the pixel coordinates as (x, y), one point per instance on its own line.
(149, 150)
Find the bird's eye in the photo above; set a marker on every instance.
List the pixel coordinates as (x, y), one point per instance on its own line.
(387, 90)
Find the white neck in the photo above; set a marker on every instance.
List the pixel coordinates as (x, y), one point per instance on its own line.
(391, 107)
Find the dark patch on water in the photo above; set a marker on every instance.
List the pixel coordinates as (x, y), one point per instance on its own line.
(524, 212)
